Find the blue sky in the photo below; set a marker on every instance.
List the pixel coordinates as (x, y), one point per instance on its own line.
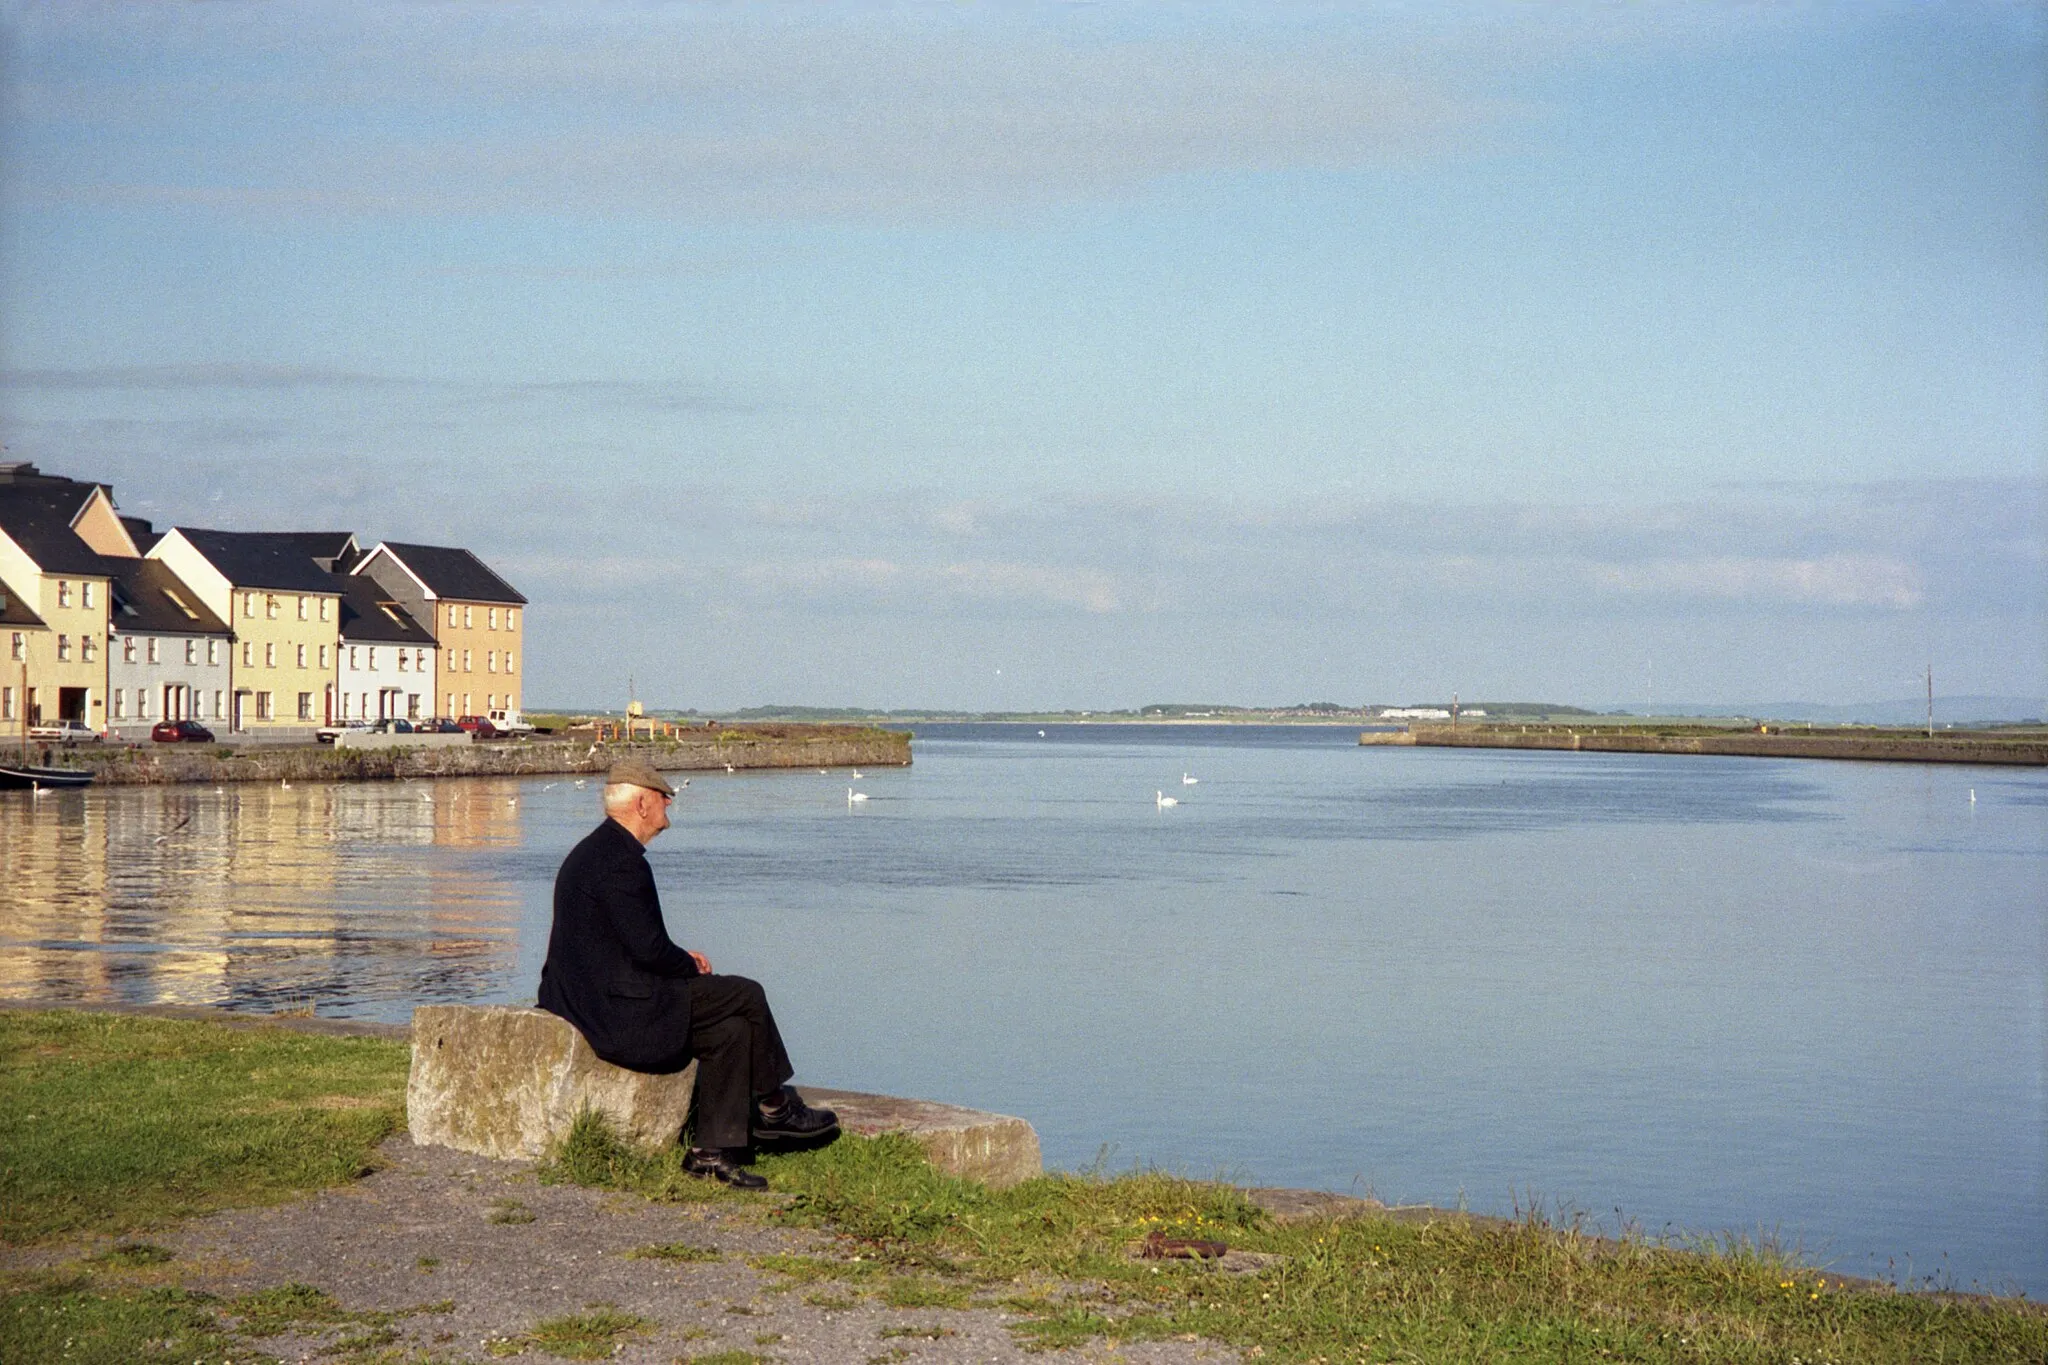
(1079, 355)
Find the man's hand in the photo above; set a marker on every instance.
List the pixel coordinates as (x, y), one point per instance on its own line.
(703, 962)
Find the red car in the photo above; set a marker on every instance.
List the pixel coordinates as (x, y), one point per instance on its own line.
(479, 727)
(180, 732)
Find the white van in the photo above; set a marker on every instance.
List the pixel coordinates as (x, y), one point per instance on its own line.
(509, 722)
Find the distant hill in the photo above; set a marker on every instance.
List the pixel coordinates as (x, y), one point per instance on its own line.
(1960, 710)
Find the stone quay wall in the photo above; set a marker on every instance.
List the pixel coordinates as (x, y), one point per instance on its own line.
(1888, 747)
(703, 750)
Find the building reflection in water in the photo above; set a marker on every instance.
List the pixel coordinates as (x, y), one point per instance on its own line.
(357, 898)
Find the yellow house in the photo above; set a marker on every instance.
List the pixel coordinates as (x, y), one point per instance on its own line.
(478, 622)
(276, 593)
(58, 671)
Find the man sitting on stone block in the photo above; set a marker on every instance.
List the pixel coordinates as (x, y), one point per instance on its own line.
(644, 1004)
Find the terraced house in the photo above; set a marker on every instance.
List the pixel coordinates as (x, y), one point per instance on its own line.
(387, 659)
(476, 618)
(284, 607)
(57, 586)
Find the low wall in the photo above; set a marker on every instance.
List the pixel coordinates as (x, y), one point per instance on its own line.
(2030, 750)
(811, 746)
(373, 739)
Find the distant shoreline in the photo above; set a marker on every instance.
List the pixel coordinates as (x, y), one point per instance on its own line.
(2028, 749)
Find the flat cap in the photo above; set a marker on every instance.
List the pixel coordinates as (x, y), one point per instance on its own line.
(635, 773)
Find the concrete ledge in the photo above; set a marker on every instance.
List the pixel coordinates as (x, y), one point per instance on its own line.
(365, 739)
(995, 1149)
(505, 1082)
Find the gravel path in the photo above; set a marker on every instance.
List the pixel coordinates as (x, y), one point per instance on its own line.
(474, 1253)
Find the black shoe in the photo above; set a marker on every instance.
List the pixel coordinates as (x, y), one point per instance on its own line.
(718, 1165)
(785, 1118)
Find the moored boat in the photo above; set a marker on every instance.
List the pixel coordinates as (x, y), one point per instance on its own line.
(21, 776)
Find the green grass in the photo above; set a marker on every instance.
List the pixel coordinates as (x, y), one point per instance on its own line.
(110, 1123)
(591, 1335)
(55, 1319)
(676, 1251)
(1360, 1289)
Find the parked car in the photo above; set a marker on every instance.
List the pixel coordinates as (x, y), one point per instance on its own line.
(392, 725)
(479, 727)
(511, 722)
(326, 734)
(436, 727)
(67, 731)
(180, 732)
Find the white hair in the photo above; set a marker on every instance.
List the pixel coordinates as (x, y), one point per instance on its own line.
(619, 795)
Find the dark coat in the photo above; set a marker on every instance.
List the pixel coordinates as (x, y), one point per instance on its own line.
(611, 969)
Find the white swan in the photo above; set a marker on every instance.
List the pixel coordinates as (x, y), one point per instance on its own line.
(1164, 800)
(1188, 779)
(858, 774)
(853, 796)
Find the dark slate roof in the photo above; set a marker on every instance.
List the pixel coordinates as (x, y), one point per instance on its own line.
(144, 603)
(451, 572)
(369, 617)
(274, 560)
(14, 611)
(142, 533)
(331, 550)
(38, 517)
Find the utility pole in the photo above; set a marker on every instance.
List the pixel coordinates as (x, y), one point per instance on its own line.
(1930, 699)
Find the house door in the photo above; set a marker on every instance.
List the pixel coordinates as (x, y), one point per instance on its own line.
(71, 703)
(241, 701)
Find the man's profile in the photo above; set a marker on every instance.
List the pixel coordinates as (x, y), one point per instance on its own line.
(647, 1005)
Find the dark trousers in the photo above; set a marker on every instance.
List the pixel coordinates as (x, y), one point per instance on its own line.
(740, 1057)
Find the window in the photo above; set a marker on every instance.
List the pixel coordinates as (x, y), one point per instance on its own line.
(412, 706)
(302, 608)
(419, 661)
(451, 658)
(326, 606)
(353, 660)
(220, 705)
(120, 703)
(19, 648)
(465, 704)
(142, 703)
(491, 701)
(63, 646)
(305, 706)
(270, 656)
(264, 710)
(403, 660)
(508, 662)
(248, 654)
(63, 592)
(452, 712)
(213, 656)
(491, 618)
(465, 662)
(302, 656)
(85, 595)
(270, 606)
(151, 647)
(323, 653)
(372, 652)
(249, 604)
(468, 617)
(191, 651)
(490, 661)
(511, 618)
(6, 703)
(88, 646)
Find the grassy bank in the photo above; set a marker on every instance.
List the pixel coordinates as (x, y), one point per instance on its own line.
(111, 1125)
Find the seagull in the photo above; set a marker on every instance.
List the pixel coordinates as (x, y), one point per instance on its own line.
(551, 786)
(591, 750)
(581, 784)
(174, 828)
(823, 773)
(1041, 734)
(1188, 779)
(1164, 800)
(853, 796)
(686, 782)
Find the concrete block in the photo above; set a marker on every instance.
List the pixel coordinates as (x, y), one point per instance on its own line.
(993, 1148)
(505, 1082)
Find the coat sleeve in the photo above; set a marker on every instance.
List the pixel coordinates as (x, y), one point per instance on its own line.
(629, 896)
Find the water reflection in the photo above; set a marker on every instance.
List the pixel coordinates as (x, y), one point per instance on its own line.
(258, 897)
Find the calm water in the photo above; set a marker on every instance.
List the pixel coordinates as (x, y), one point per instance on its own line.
(1801, 999)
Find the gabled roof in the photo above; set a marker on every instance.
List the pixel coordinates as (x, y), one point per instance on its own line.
(37, 517)
(370, 617)
(447, 571)
(277, 561)
(151, 600)
(14, 611)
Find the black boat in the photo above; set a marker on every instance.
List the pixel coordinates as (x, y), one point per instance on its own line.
(21, 776)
